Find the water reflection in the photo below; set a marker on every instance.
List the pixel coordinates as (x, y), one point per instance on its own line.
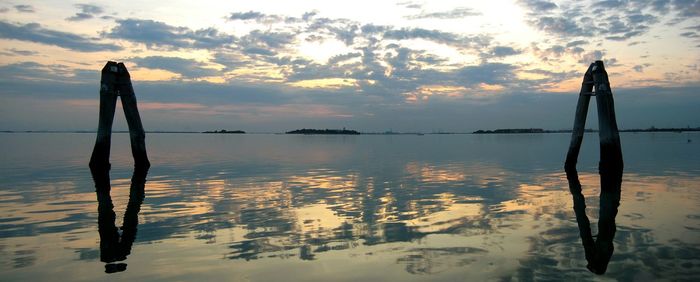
(599, 251)
(115, 246)
(385, 216)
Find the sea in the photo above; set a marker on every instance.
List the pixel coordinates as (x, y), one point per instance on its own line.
(275, 207)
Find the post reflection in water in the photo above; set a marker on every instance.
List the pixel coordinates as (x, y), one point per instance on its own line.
(115, 247)
(599, 251)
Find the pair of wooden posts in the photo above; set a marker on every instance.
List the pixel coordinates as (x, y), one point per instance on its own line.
(116, 82)
(599, 251)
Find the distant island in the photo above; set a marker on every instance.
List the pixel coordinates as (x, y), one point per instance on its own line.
(224, 131)
(324, 131)
(669, 129)
(393, 133)
(512, 130)
(540, 130)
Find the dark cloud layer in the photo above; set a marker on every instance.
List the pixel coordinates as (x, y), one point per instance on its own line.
(214, 103)
(636, 108)
(34, 32)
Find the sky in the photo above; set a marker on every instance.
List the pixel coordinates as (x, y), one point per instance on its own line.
(278, 65)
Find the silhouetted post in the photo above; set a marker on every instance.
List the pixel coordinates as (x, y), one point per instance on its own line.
(115, 82)
(610, 148)
(610, 167)
(584, 98)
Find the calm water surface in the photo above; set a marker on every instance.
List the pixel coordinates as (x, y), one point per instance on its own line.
(346, 208)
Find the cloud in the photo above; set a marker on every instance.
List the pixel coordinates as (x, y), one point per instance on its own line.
(250, 15)
(503, 51)
(342, 29)
(562, 26)
(609, 4)
(343, 57)
(273, 40)
(489, 73)
(576, 43)
(264, 43)
(230, 60)
(446, 38)
(35, 72)
(452, 14)
(17, 52)
(614, 20)
(159, 34)
(87, 11)
(308, 15)
(690, 34)
(410, 5)
(33, 32)
(24, 8)
(185, 67)
(552, 76)
(256, 16)
(347, 31)
(554, 52)
(538, 5)
(380, 66)
(263, 18)
(258, 51)
(687, 8)
(592, 57)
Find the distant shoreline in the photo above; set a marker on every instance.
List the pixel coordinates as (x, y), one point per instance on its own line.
(324, 131)
(354, 132)
(224, 131)
(540, 130)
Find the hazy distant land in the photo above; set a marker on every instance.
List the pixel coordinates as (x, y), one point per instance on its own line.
(224, 131)
(324, 131)
(540, 130)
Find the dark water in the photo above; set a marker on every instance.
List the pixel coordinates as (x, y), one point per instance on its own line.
(373, 208)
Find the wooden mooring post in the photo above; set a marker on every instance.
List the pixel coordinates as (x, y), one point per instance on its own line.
(116, 82)
(599, 251)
